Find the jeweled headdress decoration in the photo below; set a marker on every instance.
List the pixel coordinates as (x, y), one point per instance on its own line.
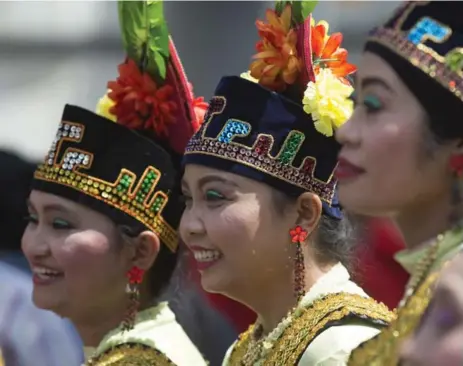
(429, 35)
(275, 124)
(127, 170)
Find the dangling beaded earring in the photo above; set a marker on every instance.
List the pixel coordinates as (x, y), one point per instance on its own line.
(456, 166)
(135, 278)
(298, 237)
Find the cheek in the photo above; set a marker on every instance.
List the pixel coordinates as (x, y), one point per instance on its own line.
(389, 154)
(85, 254)
(233, 228)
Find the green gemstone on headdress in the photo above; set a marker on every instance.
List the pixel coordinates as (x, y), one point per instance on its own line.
(291, 147)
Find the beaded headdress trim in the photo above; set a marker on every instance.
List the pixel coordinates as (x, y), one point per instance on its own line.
(446, 70)
(258, 156)
(139, 200)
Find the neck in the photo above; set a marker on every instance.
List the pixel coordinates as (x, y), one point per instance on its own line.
(93, 329)
(423, 222)
(272, 303)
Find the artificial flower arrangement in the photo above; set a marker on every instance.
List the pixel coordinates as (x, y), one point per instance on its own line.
(144, 94)
(296, 55)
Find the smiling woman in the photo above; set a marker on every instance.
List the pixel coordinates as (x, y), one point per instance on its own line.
(262, 216)
(104, 208)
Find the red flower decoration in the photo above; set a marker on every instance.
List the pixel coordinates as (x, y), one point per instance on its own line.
(298, 234)
(135, 275)
(200, 108)
(456, 164)
(328, 48)
(139, 102)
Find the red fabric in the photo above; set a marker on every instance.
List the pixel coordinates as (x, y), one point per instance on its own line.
(379, 274)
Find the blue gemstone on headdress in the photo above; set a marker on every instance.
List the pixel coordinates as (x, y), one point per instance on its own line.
(428, 29)
(233, 128)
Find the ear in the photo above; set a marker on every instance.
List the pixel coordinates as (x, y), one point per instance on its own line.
(309, 209)
(147, 246)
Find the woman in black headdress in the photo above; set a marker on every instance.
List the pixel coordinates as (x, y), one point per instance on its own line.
(402, 151)
(104, 208)
(262, 216)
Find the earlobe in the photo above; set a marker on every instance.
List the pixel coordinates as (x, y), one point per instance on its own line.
(309, 208)
(147, 246)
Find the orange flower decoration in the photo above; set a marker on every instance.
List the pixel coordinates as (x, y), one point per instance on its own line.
(276, 64)
(327, 52)
(200, 108)
(139, 102)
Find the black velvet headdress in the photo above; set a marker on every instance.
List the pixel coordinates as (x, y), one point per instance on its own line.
(125, 163)
(423, 42)
(275, 124)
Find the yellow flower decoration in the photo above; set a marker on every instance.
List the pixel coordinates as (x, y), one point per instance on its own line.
(247, 75)
(326, 100)
(103, 107)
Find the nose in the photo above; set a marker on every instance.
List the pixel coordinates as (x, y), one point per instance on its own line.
(34, 244)
(191, 224)
(348, 134)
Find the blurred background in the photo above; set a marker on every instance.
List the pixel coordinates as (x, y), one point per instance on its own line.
(57, 52)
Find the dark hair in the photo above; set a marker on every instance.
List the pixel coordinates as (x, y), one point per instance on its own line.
(334, 239)
(161, 272)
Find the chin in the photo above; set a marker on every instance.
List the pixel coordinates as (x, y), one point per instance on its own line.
(46, 300)
(216, 282)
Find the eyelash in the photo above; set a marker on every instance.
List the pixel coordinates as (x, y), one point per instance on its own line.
(57, 224)
(371, 103)
(215, 197)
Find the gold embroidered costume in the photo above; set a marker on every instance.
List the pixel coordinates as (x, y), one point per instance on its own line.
(336, 316)
(155, 340)
(384, 350)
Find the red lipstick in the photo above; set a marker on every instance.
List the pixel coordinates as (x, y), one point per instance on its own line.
(346, 170)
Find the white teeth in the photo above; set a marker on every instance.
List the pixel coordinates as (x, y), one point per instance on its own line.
(206, 255)
(45, 272)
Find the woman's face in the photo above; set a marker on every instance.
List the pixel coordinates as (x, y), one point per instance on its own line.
(75, 257)
(385, 165)
(239, 240)
(439, 339)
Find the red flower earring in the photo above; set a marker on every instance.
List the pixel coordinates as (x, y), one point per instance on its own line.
(298, 236)
(135, 277)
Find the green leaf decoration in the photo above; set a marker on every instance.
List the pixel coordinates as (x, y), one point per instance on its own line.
(145, 35)
(280, 5)
(302, 9)
(454, 60)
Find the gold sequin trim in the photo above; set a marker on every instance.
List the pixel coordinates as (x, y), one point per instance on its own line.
(384, 349)
(422, 57)
(131, 354)
(316, 318)
(136, 196)
(258, 156)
